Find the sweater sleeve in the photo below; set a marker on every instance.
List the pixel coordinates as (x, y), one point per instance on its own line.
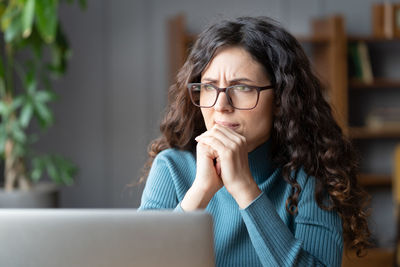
(316, 241)
(159, 191)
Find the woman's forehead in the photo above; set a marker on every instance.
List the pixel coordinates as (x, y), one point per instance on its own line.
(231, 63)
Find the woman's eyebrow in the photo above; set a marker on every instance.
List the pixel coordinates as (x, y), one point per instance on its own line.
(240, 80)
(230, 81)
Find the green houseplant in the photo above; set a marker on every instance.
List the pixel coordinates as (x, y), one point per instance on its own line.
(34, 50)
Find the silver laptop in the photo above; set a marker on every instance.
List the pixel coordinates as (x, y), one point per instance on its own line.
(104, 237)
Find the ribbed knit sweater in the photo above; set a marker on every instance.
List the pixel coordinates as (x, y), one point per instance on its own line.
(263, 233)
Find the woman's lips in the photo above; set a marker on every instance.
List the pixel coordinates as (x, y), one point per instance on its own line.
(227, 124)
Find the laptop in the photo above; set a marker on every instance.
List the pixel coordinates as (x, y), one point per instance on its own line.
(105, 237)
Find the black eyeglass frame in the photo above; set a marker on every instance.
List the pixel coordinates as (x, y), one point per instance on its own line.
(225, 90)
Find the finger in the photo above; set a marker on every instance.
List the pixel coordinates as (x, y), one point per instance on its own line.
(207, 149)
(223, 138)
(218, 167)
(231, 134)
(216, 127)
(214, 143)
(230, 141)
(206, 152)
(227, 133)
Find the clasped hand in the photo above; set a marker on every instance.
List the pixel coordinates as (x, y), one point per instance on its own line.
(222, 160)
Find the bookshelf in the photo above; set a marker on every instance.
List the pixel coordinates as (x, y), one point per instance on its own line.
(179, 43)
(374, 180)
(376, 256)
(378, 83)
(371, 39)
(328, 45)
(374, 133)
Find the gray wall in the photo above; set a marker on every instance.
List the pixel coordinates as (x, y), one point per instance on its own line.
(114, 93)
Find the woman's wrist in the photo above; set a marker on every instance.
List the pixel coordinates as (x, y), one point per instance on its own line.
(244, 195)
(196, 198)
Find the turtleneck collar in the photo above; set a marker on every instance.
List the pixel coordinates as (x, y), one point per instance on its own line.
(260, 162)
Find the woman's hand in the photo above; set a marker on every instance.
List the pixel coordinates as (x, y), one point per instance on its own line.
(207, 181)
(231, 169)
(207, 173)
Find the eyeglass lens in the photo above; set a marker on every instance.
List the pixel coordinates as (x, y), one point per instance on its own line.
(240, 96)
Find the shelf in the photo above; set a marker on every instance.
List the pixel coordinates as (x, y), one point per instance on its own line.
(351, 39)
(313, 39)
(373, 180)
(371, 133)
(371, 39)
(378, 83)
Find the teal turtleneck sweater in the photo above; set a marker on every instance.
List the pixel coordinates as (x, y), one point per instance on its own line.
(262, 234)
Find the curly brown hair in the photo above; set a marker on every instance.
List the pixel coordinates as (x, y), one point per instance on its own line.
(304, 133)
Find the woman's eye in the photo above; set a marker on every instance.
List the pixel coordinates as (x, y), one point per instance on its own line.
(208, 87)
(242, 88)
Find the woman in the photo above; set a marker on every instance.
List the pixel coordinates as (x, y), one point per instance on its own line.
(249, 137)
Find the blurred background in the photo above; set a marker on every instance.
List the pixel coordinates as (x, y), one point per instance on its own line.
(114, 92)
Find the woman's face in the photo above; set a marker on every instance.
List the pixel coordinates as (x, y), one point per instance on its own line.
(230, 66)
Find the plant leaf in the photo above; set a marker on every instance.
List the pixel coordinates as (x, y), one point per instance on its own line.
(30, 83)
(4, 109)
(2, 87)
(36, 174)
(60, 54)
(17, 102)
(27, 18)
(19, 150)
(14, 27)
(17, 133)
(43, 114)
(2, 8)
(83, 4)
(37, 168)
(46, 14)
(44, 96)
(26, 114)
(3, 138)
(8, 15)
(65, 170)
(2, 78)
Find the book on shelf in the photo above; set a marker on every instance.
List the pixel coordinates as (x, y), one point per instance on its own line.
(386, 20)
(354, 61)
(397, 20)
(377, 20)
(379, 118)
(366, 68)
(396, 173)
(396, 198)
(360, 68)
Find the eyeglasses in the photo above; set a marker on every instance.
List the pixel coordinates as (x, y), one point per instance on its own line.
(239, 96)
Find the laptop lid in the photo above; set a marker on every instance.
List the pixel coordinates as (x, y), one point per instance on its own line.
(105, 237)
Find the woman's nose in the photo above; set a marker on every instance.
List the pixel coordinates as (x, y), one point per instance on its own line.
(222, 103)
